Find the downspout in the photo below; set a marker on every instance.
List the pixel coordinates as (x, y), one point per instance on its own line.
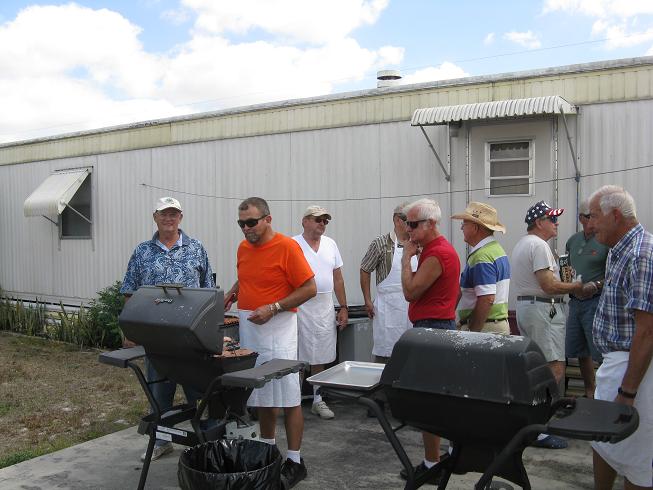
(451, 211)
(555, 174)
(575, 161)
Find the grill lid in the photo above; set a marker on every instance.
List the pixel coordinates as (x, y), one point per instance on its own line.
(489, 367)
(174, 320)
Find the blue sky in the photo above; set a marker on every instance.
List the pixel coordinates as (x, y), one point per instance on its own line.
(74, 66)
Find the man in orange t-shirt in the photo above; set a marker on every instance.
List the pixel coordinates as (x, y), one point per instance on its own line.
(274, 278)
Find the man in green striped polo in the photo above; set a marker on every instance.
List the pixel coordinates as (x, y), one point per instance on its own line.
(483, 305)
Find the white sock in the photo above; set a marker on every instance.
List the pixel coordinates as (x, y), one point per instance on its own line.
(294, 456)
(271, 442)
(317, 399)
(429, 464)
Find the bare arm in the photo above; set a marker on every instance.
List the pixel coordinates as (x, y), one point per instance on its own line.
(299, 296)
(641, 353)
(365, 278)
(550, 285)
(339, 289)
(416, 283)
(231, 297)
(480, 312)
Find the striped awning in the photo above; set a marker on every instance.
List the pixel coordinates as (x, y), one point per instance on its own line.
(53, 195)
(500, 109)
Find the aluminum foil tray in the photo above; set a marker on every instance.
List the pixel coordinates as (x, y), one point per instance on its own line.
(350, 375)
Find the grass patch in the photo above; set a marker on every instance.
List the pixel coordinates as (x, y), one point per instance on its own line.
(54, 395)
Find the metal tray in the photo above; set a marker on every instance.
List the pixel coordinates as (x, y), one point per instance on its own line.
(351, 375)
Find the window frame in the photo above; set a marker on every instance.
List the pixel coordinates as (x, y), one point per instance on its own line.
(488, 163)
(88, 181)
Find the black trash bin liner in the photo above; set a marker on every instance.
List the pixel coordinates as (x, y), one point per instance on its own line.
(230, 465)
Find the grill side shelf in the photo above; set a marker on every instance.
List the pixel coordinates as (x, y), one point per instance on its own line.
(258, 376)
(121, 357)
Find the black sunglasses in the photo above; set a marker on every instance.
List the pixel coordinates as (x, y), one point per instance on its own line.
(586, 216)
(250, 223)
(321, 220)
(552, 219)
(415, 224)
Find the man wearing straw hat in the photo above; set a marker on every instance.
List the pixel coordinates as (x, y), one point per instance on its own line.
(484, 283)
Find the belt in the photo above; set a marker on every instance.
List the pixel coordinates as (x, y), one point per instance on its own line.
(496, 320)
(540, 299)
(585, 299)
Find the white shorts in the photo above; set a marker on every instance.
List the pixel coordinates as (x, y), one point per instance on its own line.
(548, 333)
(633, 456)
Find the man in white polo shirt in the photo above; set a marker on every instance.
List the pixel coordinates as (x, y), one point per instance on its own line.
(316, 319)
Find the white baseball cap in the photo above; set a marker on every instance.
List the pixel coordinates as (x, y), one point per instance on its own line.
(315, 210)
(165, 203)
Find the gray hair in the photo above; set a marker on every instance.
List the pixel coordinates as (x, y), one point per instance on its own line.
(614, 197)
(400, 209)
(257, 202)
(584, 207)
(426, 209)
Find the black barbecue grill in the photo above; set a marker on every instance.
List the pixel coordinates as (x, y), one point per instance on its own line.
(489, 395)
(181, 332)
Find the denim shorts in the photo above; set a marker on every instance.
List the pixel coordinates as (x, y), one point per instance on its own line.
(437, 324)
(580, 317)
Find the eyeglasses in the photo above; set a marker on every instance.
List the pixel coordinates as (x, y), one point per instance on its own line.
(586, 216)
(414, 224)
(250, 223)
(552, 219)
(401, 216)
(322, 220)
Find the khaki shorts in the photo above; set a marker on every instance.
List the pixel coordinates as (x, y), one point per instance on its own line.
(502, 327)
(548, 333)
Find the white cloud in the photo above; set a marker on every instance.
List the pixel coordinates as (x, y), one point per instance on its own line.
(312, 21)
(67, 68)
(601, 8)
(616, 20)
(446, 71)
(176, 16)
(526, 39)
(489, 39)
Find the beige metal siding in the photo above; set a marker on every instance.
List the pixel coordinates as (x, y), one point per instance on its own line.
(579, 85)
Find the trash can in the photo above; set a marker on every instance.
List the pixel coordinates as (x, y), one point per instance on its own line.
(234, 464)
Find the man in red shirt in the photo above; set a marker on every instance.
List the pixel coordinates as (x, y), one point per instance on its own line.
(274, 278)
(432, 291)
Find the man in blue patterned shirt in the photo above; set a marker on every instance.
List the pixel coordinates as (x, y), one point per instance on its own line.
(170, 256)
(623, 334)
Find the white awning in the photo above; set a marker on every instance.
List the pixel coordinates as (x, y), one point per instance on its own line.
(53, 195)
(552, 104)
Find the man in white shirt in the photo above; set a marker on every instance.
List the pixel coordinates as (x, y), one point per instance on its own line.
(540, 312)
(316, 320)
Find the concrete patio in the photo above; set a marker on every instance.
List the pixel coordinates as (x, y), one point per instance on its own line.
(350, 451)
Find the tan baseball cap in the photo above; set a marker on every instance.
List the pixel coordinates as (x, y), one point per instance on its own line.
(315, 210)
(165, 203)
(483, 214)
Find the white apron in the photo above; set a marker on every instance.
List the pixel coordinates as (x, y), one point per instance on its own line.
(276, 339)
(316, 326)
(390, 308)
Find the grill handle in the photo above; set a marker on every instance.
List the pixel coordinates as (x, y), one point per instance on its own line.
(172, 285)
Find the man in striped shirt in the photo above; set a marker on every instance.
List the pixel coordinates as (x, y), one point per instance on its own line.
(484, 283)
(623, 334)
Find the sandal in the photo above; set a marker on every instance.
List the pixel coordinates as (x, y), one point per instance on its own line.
(550, 442)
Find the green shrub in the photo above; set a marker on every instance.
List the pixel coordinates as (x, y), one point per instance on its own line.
(95, 325)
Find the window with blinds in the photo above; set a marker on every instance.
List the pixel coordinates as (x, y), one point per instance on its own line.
(509, 168)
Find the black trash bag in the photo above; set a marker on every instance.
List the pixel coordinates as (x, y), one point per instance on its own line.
(231, 465)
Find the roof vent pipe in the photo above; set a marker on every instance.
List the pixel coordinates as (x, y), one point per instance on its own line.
(387, 78)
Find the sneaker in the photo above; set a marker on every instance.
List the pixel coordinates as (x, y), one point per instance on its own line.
(550, 442)
(159, 451)
(292, 473)
(420, 469)
(321, 409)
